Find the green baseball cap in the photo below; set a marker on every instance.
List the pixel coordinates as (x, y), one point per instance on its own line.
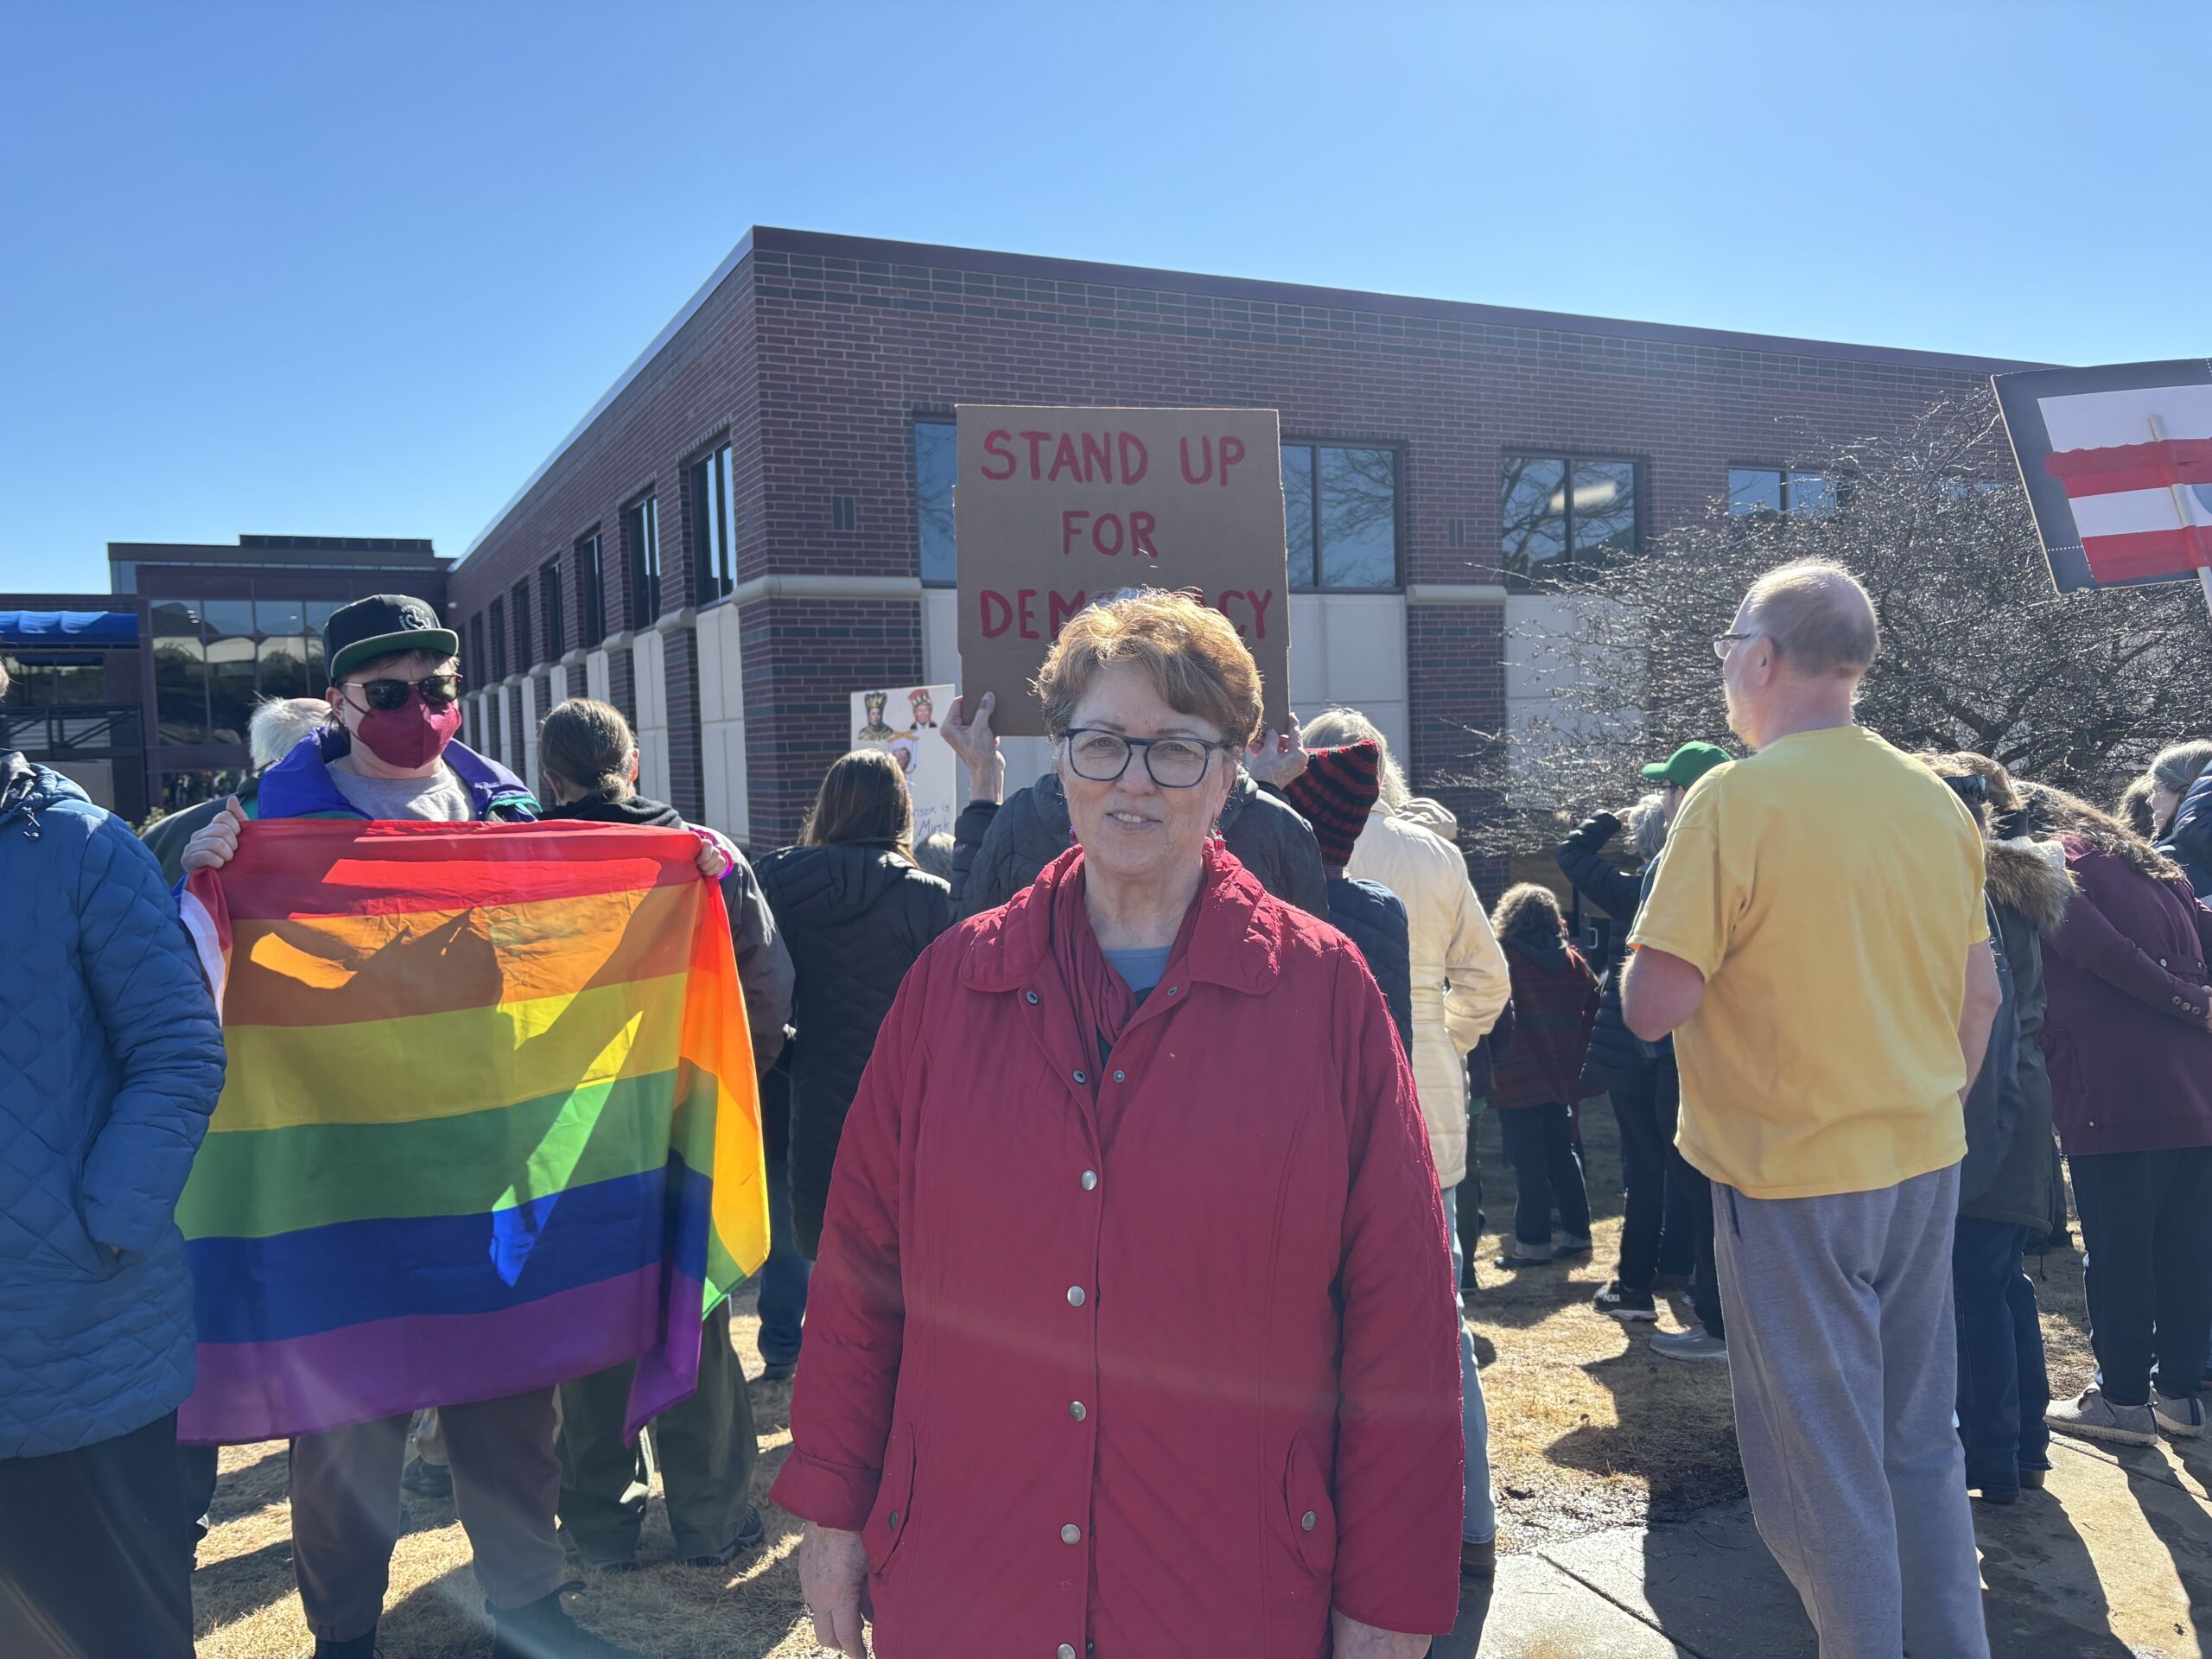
(1689, 764)
(383, 625)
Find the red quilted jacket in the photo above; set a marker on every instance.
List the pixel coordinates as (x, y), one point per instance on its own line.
(1156, 1357)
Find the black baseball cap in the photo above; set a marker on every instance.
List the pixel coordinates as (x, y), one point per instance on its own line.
(384, 625)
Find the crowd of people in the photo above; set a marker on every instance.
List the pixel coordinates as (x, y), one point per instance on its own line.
(1122, 1209)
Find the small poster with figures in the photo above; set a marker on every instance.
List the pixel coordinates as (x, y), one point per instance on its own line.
(904, 720)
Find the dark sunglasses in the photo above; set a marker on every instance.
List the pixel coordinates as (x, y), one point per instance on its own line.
(438, 691)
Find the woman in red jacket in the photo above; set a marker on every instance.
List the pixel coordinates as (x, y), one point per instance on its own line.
(1132, 1332)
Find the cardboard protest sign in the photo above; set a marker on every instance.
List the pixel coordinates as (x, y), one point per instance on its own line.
(1054, 507)
(2118, 464)
(904, 720)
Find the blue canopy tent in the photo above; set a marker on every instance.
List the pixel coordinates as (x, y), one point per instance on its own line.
(62, 629)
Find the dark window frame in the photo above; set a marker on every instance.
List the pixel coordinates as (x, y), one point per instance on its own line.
(914, 486)
(1314, 446)
(496, 629)
(643, 568)
(1570, 566)
(1786, 478)
(525, 620)
(552, 609)
(590, 550)
(713, 538)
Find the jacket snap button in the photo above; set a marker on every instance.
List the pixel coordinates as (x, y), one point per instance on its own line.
(1065, 1652)
(1172, 990)
(1308, 1521)
(1121, 1076)
(1079, 1077)
(1033, 999)
(1075, 1295)
(1078, 1410)
(894, 1517)
(1070, 1533)
(1090, 1180)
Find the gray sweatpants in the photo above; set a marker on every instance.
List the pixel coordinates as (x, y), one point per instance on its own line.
(1844, 1359)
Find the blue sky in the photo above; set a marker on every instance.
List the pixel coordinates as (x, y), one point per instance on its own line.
(353, 269)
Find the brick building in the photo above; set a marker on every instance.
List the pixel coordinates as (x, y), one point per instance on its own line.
(755, 521)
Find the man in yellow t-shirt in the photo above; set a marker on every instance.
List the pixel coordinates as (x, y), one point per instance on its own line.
(1815, 937)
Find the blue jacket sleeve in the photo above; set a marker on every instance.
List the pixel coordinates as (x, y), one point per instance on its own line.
(160, 1020)
(2188, 843)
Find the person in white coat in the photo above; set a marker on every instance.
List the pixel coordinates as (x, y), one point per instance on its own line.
(1460, 986)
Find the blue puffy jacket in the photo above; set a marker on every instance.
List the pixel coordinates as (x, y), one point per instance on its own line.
(110, 1059)
(2189, 838)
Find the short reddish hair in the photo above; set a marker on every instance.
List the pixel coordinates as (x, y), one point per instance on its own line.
(1188, 650)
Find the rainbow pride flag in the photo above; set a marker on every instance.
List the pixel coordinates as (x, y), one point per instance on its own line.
(490, 1121)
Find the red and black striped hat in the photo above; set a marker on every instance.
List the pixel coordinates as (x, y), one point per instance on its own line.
(1336, 792)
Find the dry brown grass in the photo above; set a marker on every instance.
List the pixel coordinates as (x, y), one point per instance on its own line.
(1588, 1429)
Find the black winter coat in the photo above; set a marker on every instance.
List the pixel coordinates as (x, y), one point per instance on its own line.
(856, 917)
(1374, 918)
(2029, 889)
(1617, 1056)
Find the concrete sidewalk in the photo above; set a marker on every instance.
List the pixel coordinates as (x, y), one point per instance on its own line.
(2113, 1562)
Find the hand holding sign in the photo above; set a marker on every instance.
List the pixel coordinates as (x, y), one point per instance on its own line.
(1055, 507)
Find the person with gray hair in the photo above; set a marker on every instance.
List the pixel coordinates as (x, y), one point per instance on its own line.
(277, 724)
(1816, 939)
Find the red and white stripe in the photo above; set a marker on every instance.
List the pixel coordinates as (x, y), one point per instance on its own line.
(2132, 463)
(208, 925)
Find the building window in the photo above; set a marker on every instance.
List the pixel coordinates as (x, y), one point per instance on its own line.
(935, 464)
(498, 630)
(480, 665)
(1562, 515)
(1340, 515)
(1754, 490)
(556, 621)
(591, 588)
(641, 532)
(843, 516)
(519, 611)
(714, 526)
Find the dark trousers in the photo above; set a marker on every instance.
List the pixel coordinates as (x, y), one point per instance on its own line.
(345, 1508)
(2003, 1387)
(2146, 1227)
(92, 1562)
(702, 1446)
(196, 1469)
(1678, 1236)
(1644, 1174)
(1539, 1145)
(1689, 1187)
(784, 1276)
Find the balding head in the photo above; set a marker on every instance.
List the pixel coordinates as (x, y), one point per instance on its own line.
(1820, 619)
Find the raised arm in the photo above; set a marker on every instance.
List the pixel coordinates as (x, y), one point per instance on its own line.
(1581, 862)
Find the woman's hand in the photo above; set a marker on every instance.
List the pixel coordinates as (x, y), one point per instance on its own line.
(833, 1577)
(977, 745)
(1350, 1639)
(217, 844)
(1278, 758)
(717, 853)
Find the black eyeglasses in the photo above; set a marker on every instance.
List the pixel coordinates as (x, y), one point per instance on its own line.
(438, 690)
(1722, 641)
(1102, 756)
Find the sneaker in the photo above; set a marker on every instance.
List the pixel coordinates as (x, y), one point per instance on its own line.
(750, 1537)
(1519, 1256)
(2181, 1417)
(1477, 1559)
(1619, 1302)
(426, 1479)
(2033, 1480)
(2093, 1417)
(779, 1370)
(1573, 1244)
(1699, 1344)
(542, 1630)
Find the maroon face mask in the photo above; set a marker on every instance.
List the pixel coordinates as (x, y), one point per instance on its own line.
(410, 735)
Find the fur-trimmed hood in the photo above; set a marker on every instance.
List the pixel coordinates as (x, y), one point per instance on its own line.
(2030, 877)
